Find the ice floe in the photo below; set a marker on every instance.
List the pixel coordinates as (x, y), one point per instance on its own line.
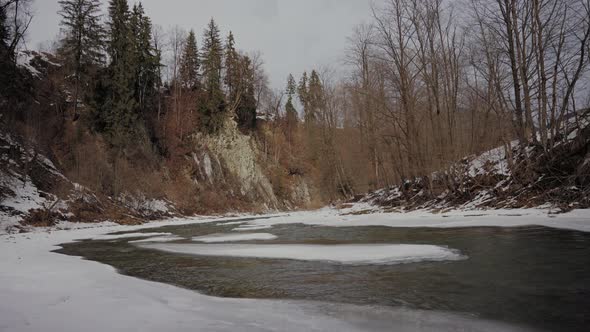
(170, 238)
(128, 235)
(245, 228)
(358, 254)
(216, 238)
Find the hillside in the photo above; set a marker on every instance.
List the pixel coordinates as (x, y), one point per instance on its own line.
(63, 172)
(503, 178)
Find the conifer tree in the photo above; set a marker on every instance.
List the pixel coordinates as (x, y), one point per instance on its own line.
(315, 98)
(144, 57)
(213, 110)
(246, 108)
(120, 108)
(82, 46)
(190, 63)
(232, 70)
(303, 92)
(7, 67)
(290, 111)
(4, 35)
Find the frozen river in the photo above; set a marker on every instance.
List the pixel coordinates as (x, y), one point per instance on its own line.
(525, 277)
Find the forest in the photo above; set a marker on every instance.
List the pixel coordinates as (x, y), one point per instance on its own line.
(127, 108)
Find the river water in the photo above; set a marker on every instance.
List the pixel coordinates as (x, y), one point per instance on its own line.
(530, 276)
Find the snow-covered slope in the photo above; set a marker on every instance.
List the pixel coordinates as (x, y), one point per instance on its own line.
(506, 177)
(33, 192)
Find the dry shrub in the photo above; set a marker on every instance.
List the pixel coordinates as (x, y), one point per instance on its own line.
(42, 218)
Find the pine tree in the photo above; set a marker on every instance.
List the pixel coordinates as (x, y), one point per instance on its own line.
(290, 111)
(82, 46)
(303, 92)
(190, 64)
(232, 70)
(5, 55)
(144, 56)
(213, 110)
(315, 98)
(119, 111)
(4, 31)
(7, 67)
(246, 109)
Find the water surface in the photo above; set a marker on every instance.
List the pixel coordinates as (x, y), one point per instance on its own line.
(534, 276)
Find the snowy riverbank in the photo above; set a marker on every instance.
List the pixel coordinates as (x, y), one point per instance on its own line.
(45, 291)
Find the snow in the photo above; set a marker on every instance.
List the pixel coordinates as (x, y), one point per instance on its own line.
(26, 196)
(496, 157)
(24, 59)
(234, 223)
(13, 207)
(246, 228)
(575, 220)
(357, 254)
(216, 238)
(128, 235)
(46, 291)
(170, 238)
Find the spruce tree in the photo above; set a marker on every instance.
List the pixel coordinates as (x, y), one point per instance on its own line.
(4, 31)
(246, 109)
(7, 67)
(303, 92)
(120, 109)
(190, 64)
(315, 98)
(213, 110)
(82, 46)
(290, 111)
(232, 67)
(144, 56)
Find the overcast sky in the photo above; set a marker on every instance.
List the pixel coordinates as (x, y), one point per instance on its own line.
(293, 35)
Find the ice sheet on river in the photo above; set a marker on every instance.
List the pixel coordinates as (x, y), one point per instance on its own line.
(128, 235)
(344, 254)
(217, 238)
(71, 294)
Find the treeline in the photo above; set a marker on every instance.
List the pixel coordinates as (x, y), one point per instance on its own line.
(117, 103)
(428, 82)
(117, 71)
(433, 81)
(14, 23)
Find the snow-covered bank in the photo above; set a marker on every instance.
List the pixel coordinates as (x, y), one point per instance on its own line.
(344, 254)
(45, 291)
(575, 220)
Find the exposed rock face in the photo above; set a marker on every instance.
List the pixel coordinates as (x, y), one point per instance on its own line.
(236, 154)
(301, 195)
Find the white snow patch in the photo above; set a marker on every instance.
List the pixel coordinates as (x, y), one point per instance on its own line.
(128, 235)
(496, 157)
(358, 254)
(26, 197)
(575, 220)
(233, 223)
(245, 228)
(14, 207)
(170, 238)
(23, 60)
(217, 238)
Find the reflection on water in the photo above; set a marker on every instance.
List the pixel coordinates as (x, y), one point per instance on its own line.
(533, 275)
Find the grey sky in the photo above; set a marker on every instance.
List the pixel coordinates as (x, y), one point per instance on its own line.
(293, 35)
